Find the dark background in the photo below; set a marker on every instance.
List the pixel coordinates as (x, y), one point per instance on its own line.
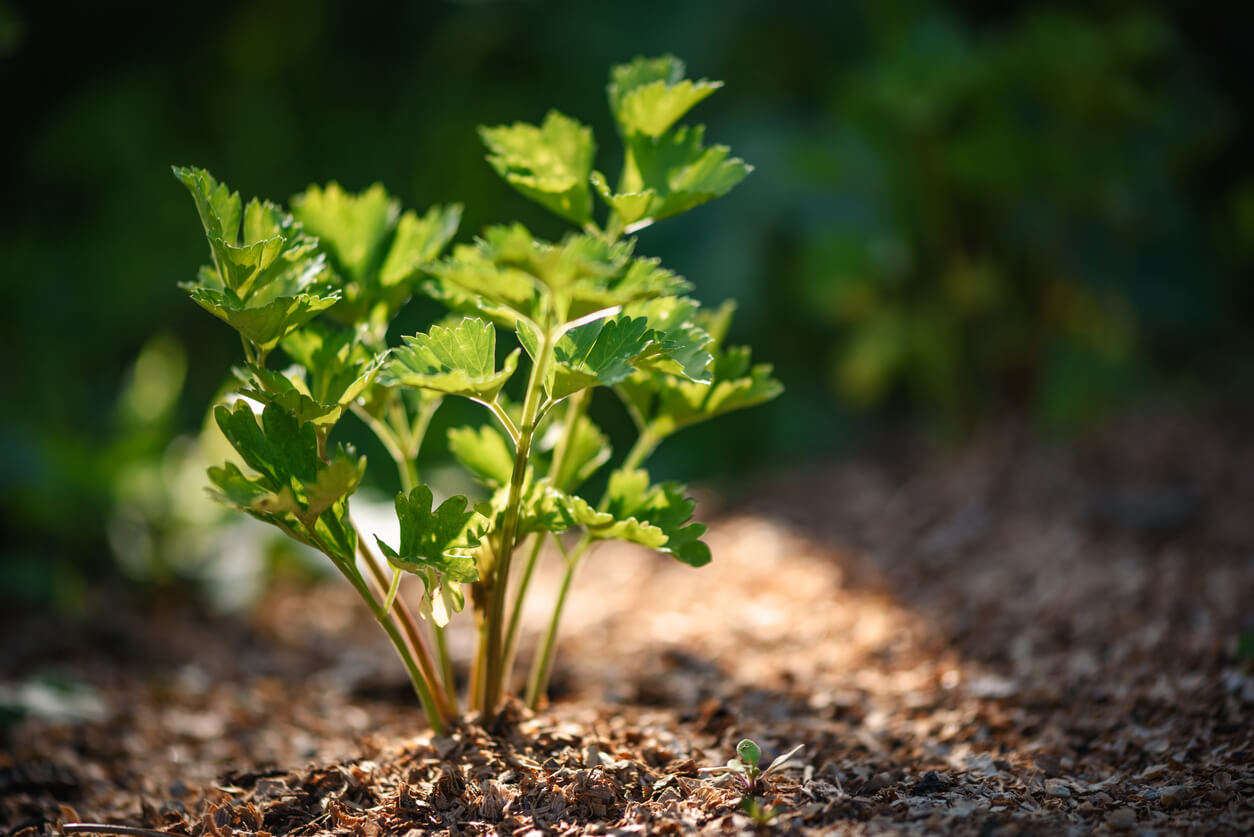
(960, 212)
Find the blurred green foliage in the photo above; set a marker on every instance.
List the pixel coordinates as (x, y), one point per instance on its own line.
(957, 208)
(1012, 188)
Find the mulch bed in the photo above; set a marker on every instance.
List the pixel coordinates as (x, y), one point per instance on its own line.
(1010, 637)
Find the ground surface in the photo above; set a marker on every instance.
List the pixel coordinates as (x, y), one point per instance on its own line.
(1010, 638)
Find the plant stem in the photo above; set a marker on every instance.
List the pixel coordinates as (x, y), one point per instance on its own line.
(419, 679)
(431, 680)
(542, 667)
(515, 616)
(474, 692)
(503, 417)
(393, 589)
(402, 445)
(407, 468)
(495, 662)
(645, 444)
(574, 410)
(382, 432)
(427, 693)
(248, 350)
(446, 664)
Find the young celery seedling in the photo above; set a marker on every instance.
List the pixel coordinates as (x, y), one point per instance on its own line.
(744, 767)
(322, 284)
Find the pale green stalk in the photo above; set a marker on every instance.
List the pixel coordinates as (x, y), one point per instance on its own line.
(407, 469)
(430, 678)
(494, 664)
(542, 668)
(574, 410)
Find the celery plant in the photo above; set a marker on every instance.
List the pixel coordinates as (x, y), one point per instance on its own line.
(322, 284)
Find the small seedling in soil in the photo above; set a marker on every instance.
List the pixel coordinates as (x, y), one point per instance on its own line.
(744, 767)
(762, 815)
(319, 284)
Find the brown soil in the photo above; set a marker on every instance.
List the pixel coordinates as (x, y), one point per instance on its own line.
(1010, 638)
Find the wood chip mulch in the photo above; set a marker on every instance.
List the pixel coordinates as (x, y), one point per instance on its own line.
(1015, 637)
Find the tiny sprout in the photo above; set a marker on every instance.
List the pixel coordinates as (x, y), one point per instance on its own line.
(745, 768)
(750, 753)
(760, 814)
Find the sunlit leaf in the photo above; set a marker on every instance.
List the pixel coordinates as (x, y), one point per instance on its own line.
(586, 450)
(484, 452)
(639, 279)
(678, 346)
(295, 489)
(648, 95)
(670, 174)
(332, 371)
(419, 240)
(667, 403)
(549, 163)
(438, 546)
(600, 352)
(477, 278)
(267, 278)
(266, 324)
(654, 516)
(375, 251)
(354, 228)
(434, 538)
(458, 361)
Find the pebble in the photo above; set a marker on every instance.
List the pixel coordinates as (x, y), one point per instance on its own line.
(1121, 818)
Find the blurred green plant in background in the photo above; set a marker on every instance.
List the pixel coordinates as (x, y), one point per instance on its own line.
(959, 209)
(1010, 187)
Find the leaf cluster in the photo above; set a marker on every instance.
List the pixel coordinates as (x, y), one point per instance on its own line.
(323, 283)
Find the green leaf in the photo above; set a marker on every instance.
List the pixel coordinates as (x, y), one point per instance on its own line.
(667, 403)
(218, 206)
(636, 280)
(335, 480)
(266, 283)
(549, 164)
(294, 488)
(438, 546)
(279, 448)
(605, 526)
(587, 449)
(440, 539)
(505, 274)
(749, 752)
(332, 371)
(678, 345)
(541, 508)
(600, 352)
(419, 241)
(266, 324)
(484, 452)
(486, 278)
(663, 506)
(648, 95)
(375, 250)
(273, 245)
(670, 174)
(354, 228)
(657, 517)
(458, 361)
(339, 368)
